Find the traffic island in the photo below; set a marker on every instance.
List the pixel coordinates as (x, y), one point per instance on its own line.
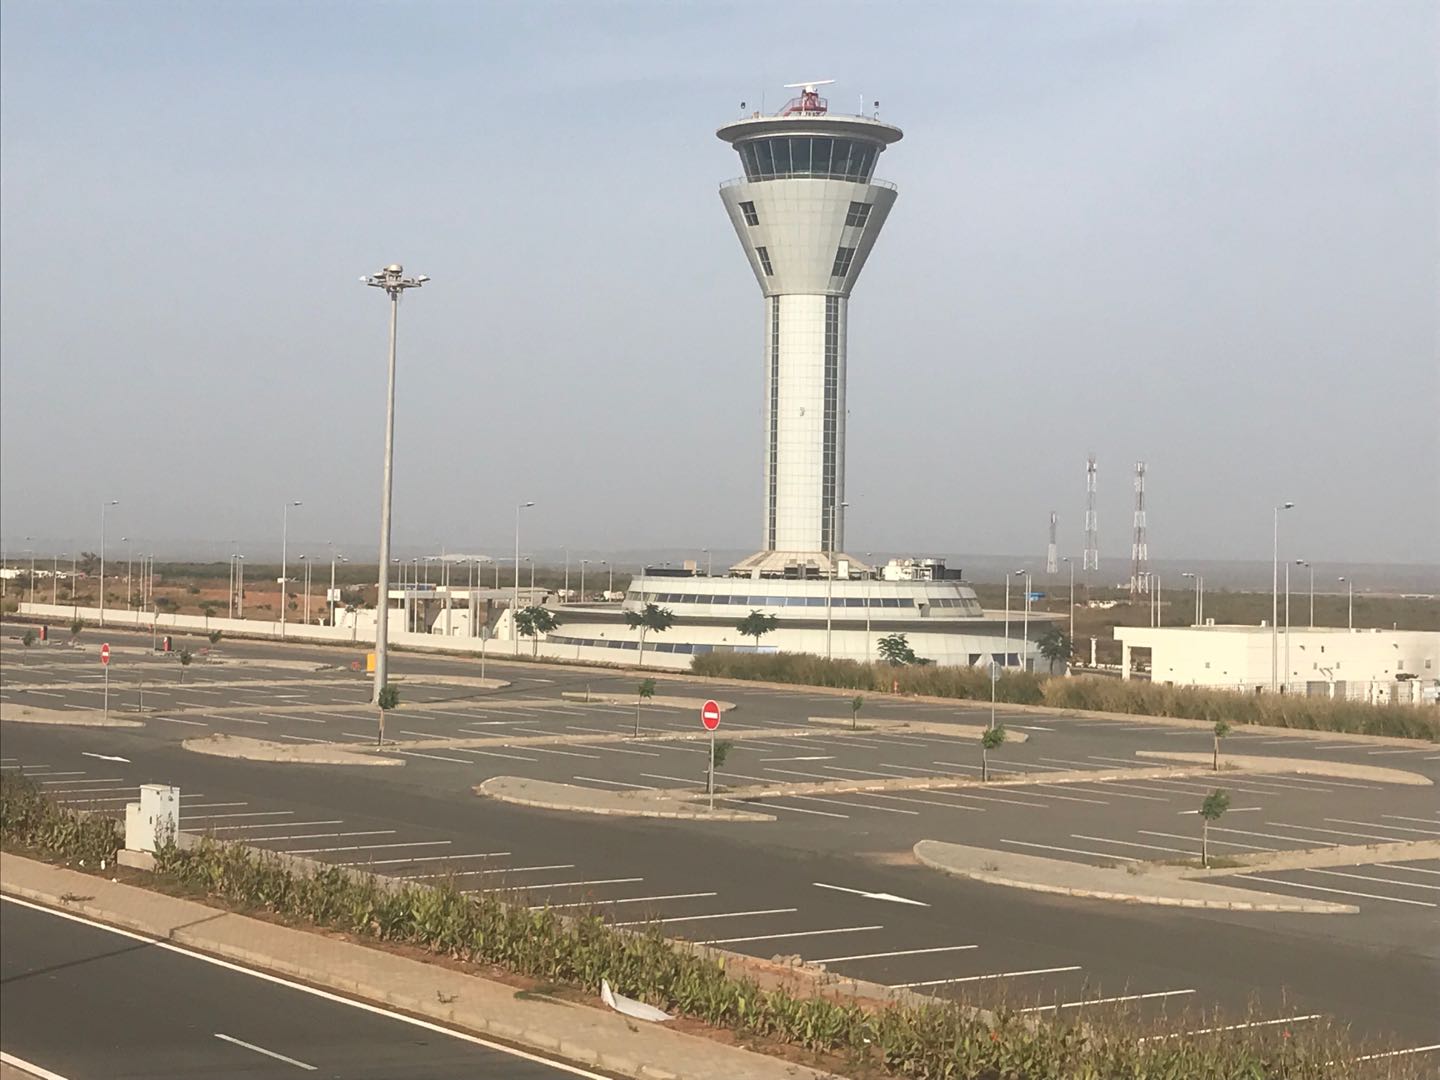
(660, 701)
(238, 746)
(1263, 763)
(25, 714)
(548, 795)
(1130, 882)
(918, 727)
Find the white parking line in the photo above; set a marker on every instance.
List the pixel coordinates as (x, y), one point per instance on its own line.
(267, 1053)
(978, 978)
(1128, 843)
(368, 847)
(794, 809)
(177, 720)
(1106, 1000)
(1049, 793)
(276, 824)
(517, 869)
(1073, 851)
(1412, 869)
(896, 952)
(1234, 1027)
(1225, 843)
(792, 934)
(616, 783)
(924, 802)
(716, 915)
(321, 835)
(1332, 832)
(829, 801)
(429, 858)
(1398, 1053)
(1379, 880)
(252, 813)
(91, 780)
(625, 900)
(1338, 892)
(493, 753)
(578, 884)
(433, 757)
(561, 753)
(1382, 825)
(1397, 817)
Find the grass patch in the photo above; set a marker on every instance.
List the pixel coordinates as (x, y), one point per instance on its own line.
(924, 1041)
(1082, 692)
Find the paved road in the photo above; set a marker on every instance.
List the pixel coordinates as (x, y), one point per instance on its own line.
(797, 885)
(84, 1001)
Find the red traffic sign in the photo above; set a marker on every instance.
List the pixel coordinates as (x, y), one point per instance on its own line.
(710, 715)
(105, 653)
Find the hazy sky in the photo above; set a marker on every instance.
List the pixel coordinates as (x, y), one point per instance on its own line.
(1202, 235)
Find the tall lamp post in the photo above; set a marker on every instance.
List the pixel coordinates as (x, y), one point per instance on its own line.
(1067, 559)
(55, 578)
(32, 571)
(1311, 568)
(104, 506)
(1007, 619)
(1025, 634)
(284, 553)
(1350, 588)
(515, 607)
(1196, 578)
(610, 584)
(583, 563)
(1275, 600)
(239, 586)
(393, 280)
(830, 577)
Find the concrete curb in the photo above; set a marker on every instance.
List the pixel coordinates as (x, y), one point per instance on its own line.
(24, 714)
(657, 702)
(1258, 763)
(932, 853)
(591, 1037)
(239, 746)
(576, 800)
(922, 727)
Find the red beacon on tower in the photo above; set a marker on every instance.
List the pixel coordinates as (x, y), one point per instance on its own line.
(809, 103)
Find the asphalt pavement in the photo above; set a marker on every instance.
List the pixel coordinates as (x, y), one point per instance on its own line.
(80, 1000)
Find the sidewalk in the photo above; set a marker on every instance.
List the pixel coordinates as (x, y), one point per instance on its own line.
(591, 1037)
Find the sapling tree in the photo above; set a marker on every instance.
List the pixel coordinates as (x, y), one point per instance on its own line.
(1214, 806)
(644, 692)
(1221, 730)
(990, 739)
(757, 624)
(855, 703)
(186, 657)
(650, 617)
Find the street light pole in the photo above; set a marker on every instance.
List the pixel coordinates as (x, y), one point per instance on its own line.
(1072, 607)
(1196, 578)
(239, 586)
(1275, 601)
(393, 280)
(1350, 622)
(830, 577)
(1007, 620)
(284, 552)
(583, 564)
(32, 571)
(869, 584)
(103, 507)
(1311, 568)
(55, 579)
(610, 585)
(515, 607)
(1025, 636)
(1286, 680)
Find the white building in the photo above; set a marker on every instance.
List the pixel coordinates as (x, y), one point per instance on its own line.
(807, 211)
(1366, 665)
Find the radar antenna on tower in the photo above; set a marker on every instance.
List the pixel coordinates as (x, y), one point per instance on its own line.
(809, 102)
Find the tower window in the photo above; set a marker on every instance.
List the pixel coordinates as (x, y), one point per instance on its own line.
(765, 261)
(858, 215)
(843, 258)
(752, 218)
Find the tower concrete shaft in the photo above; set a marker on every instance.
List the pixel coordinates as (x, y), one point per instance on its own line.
(807, 213)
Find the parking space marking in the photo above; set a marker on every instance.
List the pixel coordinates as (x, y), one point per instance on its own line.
(89, 780)
(561, 753)
(1402, 817)
(433, 757)
(1412, 869)
(1226, 843)
(268, 1053)
(369, 847)
(1049, 793)
(278, 824)
(429, 858)
(1273, 836)
(1234, 1027)
(924, 802)
(249, 814)
(625, 900)
(1129, 843)
(494, 753)
(616, 783)
(1378, 880)
(1382, 825)
(1333, 832)
(177, 720)
(715, 915)
(830, 801)
(1073, 851)
(878, 955)
(620, 750)
(1399, 1053)
(322, 835)
(578, 884)
(793, 809)
(791, 934)
(1338, 892)
(1107, 1000)
(979, 978)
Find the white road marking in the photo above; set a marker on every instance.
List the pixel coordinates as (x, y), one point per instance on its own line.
(896, 952)
(792, 934)
(1106, 1000)
(1397, 817)
(29, 1068)
(1073, 851)
(616, 783)
(319, 835)
(177, 720)
(1412, 869)
(978, 978)
(812, 757)
(1233, 1027)
(1367, 877)
(89, 780)
(924, 802)
(434, 757)
(494, 753)
(267, 1053)
(1338, 892)
(1382, 825)
(891, 897)
(1232, 810)
(1332, 832)
(1398, 1053)
(1049, 793)
(1030, 727)
(367, 847)
(831, 801)
(561, 753)
(252, 813)
(275, 824)
(516, 869)
(1191, 839)
(428, 858)
(625, 900)
(324, 995)
(795, 809)
(1129, 843)
(716, 915)
(577, 884)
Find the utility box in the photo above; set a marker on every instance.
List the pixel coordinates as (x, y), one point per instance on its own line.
(369, 663)
(154, 819)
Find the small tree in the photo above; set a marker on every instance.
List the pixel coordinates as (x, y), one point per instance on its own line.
(1215, 804)
(895, 649)
(757, 624)
(185, 658)
(75, 627)
(214, 637)
(855, 704)
(650, 617)
(533, 621)
(387, 699)
(1221, 730)
(1055, 646)
(27, 639)
(989, 740)
(645, 692)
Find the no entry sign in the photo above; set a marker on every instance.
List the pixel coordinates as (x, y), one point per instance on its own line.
(105, 653)
(710, 715)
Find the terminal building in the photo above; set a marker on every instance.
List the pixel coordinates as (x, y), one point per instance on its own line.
(1378, 666)
(808, 211)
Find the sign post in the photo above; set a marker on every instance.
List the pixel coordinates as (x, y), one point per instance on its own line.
(105, 663)
(710, 717)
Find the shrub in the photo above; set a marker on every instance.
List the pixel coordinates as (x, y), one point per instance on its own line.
(29, 819)
(389, 697)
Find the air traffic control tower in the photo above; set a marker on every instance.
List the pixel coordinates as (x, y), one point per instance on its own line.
(807, 212)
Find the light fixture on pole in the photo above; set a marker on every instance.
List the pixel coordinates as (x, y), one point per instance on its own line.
(393, 280)
(55, 578)
(515, 607)
(284, 553)
(1311, 568)
(1071, 561)
(583, 563)
(32, 570)
(129, 566)
(1286, 680)
(239, 586)
(1275, 600)
(1350, 588)
(709, 561)
(1196, 578)
(1025, 635)
(104, 506)
(1007, 620)
(869, 580)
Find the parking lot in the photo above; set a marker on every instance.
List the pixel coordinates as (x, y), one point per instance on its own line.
(830, 880)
